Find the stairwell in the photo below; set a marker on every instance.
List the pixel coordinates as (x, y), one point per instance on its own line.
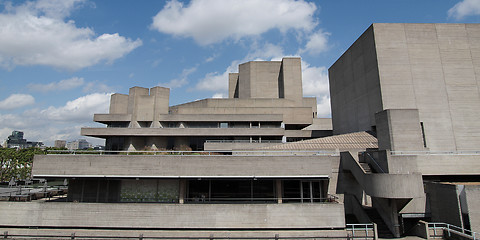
(382, 229)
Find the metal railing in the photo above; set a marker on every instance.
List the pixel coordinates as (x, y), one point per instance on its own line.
(194, 200)
(439, 228)
(194, 153)
(243, 141)
(374, 161)
(362, 230)
(434, 152)
(359, 231)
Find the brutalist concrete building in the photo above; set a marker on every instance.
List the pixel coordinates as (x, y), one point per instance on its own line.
(405, 101)
(416, 87)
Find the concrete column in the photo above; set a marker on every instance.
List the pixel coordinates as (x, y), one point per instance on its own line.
(156, 143)
(278, 184)
(181, 194)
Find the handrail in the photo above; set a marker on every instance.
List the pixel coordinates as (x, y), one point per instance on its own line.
(243, 141)
(362, 227)
(452, 228)
(473, 152)
(374, 161)
(193, 153)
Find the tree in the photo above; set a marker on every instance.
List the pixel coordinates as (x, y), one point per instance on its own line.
(17, 163)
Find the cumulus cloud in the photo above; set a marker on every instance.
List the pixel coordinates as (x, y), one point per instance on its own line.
(219, 95)
(181, 81)
(315, 83)
(78, 110)
(317, 43)
(65, 84)
(96, 86)
(16, 101)
(464, 8)
(37, 33)
(212, 21)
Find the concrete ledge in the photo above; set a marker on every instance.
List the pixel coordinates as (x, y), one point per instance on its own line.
(175, 166)
(172, 216)
(175, 234)
(188, 132)
(443, 164)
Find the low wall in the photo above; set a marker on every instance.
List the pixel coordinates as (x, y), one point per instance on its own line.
(174, 166)
(172, 216)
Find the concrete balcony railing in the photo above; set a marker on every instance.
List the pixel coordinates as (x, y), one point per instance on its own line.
(172, 216)
(182, 166)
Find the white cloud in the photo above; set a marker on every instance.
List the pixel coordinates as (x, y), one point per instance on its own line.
(314, 80)
(36, 33)
(464, 8)
(315, 83)
(97, 87)
(212, 21)
(323, 107)
(54, 123)
(16, 101)
(219, 95)
(65, 84)
(78, 110)
(181, 81)
(317, 43)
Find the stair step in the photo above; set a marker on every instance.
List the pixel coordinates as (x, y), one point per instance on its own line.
(366, 167)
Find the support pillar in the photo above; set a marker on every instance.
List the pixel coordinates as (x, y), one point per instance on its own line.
(278, 184)
(181, 195)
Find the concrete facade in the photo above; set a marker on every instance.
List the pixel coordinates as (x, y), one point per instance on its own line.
(199, 190)
(265, 103)
(429, 67)
(415, 87)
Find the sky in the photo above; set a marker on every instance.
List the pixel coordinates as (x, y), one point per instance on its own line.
(60, 60)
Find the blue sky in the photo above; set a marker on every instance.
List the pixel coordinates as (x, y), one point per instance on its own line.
(61, 59)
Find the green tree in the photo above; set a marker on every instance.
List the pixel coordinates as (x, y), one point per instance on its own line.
(17, 163)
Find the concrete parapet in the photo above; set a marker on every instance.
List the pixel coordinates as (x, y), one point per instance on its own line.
(176, 166)
(172, 216)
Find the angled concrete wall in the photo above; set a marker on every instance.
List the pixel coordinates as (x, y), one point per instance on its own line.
(429, 67)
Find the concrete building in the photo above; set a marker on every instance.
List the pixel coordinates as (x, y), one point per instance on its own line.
(415, 87)
(265, 106)
(223, 189)
(60, 143)
(16, 140)
(78, 144)
(404, 148)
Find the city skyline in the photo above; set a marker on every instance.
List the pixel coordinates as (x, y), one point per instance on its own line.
(85, 50)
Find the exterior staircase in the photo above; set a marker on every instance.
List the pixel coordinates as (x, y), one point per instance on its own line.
(382, 229)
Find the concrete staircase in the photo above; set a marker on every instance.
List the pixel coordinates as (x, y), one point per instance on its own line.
(382, 229)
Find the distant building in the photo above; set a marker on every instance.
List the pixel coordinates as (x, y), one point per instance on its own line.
(78, 144)
(16, 140)
(60, 143)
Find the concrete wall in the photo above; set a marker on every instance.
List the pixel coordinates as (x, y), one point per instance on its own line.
(441, 164)
(399, 130)
(473, 203)
(355, 87)
(175, 166)
(292, 78)
(118, 103)
(233, 85)
(172, 216)
(444, 203)
(429, 67)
